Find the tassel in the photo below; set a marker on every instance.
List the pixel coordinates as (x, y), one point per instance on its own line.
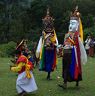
(81, 30)
(28, 75)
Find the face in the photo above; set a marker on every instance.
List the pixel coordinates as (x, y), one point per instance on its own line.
(73, 27)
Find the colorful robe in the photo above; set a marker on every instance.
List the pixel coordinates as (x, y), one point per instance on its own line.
(72, 60)
(25, 81)
(48, 58)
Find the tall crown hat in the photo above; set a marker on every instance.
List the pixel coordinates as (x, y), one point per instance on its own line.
(48, 22)
(75, 15)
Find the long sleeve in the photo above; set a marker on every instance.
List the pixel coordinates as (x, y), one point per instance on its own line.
(18, 67)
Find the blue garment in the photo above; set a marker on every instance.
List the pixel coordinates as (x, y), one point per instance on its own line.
(31, 59)
(49, 60)
(72, 65)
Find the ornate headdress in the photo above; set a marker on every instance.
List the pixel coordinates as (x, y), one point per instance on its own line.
(75, 15)
(21, 43)
(48, 22)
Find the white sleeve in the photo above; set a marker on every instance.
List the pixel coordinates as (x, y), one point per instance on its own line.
(56, 41)
(83, 52)
(39, 47)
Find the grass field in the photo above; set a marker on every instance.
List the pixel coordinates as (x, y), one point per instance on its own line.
(49, 88)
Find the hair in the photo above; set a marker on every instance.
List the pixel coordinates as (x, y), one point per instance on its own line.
(25, 54)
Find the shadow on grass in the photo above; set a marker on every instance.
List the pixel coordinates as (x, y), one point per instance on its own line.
(69, 89)
(28, 94)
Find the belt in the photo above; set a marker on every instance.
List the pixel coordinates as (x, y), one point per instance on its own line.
(67, 51)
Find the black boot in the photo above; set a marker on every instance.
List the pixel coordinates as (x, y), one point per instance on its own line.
(48, 76)
(77, 83)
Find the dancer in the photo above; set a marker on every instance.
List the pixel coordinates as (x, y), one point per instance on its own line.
(74, 53)
(25, 82)
(46, 49)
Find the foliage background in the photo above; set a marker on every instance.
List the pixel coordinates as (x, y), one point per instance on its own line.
(23, 18)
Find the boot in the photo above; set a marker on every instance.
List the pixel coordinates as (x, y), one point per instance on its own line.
(77, 83)
(48, 76)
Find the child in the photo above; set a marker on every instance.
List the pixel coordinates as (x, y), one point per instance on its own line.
(25, 82)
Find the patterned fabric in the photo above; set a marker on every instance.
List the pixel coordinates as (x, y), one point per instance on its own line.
(48, 60)
(72, 62)
(23, 65)
(48, 52)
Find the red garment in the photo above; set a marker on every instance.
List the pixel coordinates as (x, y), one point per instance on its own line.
(54, 63)
(24, 59)
(31, 65)
(78, 70)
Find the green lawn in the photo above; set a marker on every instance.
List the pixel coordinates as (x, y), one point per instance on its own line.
(49, 88)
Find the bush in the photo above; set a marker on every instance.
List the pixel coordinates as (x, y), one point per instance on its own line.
(6, 50)
(89, 31)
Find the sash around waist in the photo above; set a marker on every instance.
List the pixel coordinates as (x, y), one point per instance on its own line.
(67, 51)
